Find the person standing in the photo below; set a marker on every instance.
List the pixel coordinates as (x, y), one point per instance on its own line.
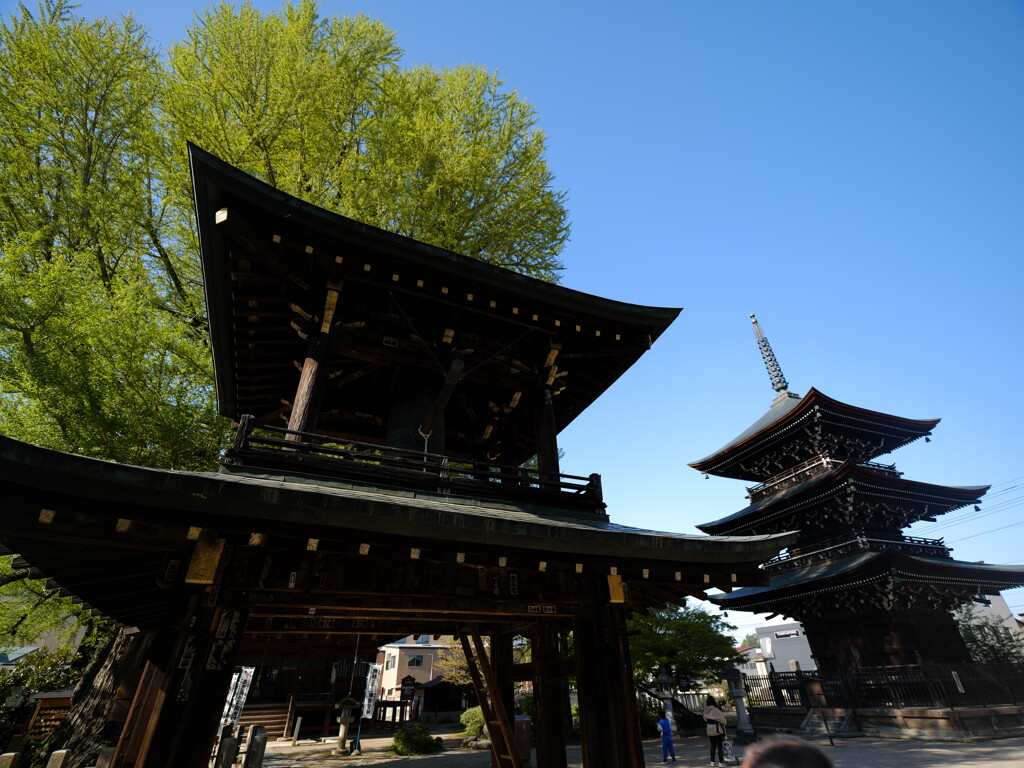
(715, 720)
(667, 748)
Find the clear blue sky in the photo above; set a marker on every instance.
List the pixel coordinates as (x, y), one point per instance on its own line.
(851, 172)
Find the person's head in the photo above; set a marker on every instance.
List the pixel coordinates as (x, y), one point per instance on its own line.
(785, 752)
(711, 701)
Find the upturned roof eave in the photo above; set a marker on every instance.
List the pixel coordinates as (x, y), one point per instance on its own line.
(213, 180)
(844, 473)
(787, 411)
(868, 566)
(231, 501)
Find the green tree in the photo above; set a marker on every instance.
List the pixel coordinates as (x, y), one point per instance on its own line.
(103, 348)
(102, 352)
(683, 642)
(102, 326)
(988, 639)
(750, 639)
(319, 108)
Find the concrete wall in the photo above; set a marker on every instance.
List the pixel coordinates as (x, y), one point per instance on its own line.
(783, 643)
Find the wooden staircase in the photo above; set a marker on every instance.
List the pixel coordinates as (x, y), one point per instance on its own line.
(499, 724)
(273, 717)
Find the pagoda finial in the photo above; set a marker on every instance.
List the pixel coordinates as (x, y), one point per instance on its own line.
(779, 382)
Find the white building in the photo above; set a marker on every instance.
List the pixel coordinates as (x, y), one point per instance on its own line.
(999, 610)
(413, 656)
(754, 664)
(783, 645)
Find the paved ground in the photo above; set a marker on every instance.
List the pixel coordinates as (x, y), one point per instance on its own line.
(847, 753)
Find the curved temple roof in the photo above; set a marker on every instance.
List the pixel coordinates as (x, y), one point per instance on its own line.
(405, 311)
(783, 421)
(120, 521)
(848, 572)
(783, 510)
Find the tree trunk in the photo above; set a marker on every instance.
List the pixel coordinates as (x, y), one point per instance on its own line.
(96, 708)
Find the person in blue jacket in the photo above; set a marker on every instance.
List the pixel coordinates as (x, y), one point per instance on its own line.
(667, 748)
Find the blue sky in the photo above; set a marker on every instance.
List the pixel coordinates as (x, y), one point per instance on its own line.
(851, 172)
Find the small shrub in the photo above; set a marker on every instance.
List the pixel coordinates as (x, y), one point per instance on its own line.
(473, 721)
(650, 713)
(414, 739)
(527, 705)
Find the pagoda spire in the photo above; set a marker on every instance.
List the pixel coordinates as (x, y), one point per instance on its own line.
(779, 382)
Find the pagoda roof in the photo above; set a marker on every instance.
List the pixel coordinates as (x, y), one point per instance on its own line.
(790, 414)
(102, 529)
(860, 568)
(406, 310)
(784, 510)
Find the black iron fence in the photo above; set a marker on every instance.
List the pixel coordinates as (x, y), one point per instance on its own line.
(928, 685)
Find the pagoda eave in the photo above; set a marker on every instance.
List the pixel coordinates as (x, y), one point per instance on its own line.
(854, 485)
(790, 418)
(854, 572)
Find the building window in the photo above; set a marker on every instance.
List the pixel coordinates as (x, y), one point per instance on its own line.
(416, 661)
(389, 663)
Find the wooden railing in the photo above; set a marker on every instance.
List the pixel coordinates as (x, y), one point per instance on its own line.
(805, 470)
(928, 685)
(856, 542)
(278, 448)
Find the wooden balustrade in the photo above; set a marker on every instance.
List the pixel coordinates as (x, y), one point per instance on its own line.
(279, 448)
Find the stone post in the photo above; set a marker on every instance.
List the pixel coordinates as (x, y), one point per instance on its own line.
(744, 730)
(226, 752)
(257, 747)
(344, 722)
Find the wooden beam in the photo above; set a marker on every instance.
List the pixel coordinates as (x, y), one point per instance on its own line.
(309, 394)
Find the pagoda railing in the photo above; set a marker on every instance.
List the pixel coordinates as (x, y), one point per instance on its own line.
(805, 470)
(924, 685)
(267, 447)
(830, 549)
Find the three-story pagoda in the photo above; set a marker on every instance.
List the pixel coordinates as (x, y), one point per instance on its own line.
(866, 593)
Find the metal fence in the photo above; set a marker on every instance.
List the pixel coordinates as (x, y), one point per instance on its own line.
(929, 685)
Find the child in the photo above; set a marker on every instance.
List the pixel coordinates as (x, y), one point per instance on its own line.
(667, 748)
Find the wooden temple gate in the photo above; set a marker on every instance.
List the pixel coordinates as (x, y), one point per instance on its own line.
(388, 396)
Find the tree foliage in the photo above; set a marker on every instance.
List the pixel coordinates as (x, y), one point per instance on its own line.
(320, 108)
(103, 347)
(29, 610)
(988, 640)
(102, 325)
(100, 338)
(686, 642)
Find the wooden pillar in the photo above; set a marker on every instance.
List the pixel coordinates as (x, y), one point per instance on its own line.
(547, 438)
(312, 381)
(626, 704)
(150, 694)
(609, 719)
(198, 669)
(501, 661)
(187, 727)
(548, 730)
